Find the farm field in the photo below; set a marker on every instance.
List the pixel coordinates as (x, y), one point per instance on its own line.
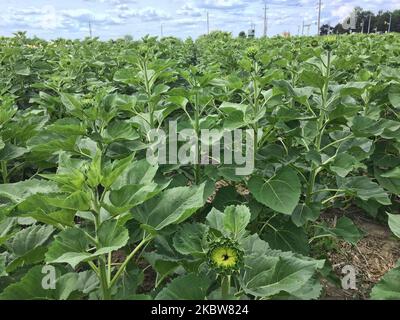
(217, 168)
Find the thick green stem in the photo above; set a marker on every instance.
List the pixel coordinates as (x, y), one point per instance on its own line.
(197, 172)
(148, 92)
(102, 267)
(129, 258)
(255, 108)
(4, 171)
(225, 287)
(255, 142)
(321, 128)
(105, 288)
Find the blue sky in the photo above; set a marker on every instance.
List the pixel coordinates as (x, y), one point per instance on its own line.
(51, 19)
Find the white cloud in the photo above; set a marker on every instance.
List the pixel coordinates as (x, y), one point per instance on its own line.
(220, 4)
(343, 11)
(190, 11)
(145, 14)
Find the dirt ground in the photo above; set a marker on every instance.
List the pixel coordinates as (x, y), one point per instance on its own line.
(374, 255)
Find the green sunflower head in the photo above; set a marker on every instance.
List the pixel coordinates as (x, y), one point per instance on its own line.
(330, 43)
(225, 256)
(314, 43)
(87, 102)
(252, 52)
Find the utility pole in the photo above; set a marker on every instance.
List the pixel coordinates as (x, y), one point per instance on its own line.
(369, 24)
(308, 29)
(298, 30)
(90, 29)
(319, 16)
(390, 23)
(162, 30)
(265, 19)
(302, 29)
(208, 23)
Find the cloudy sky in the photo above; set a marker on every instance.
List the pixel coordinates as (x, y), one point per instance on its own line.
(116, 18)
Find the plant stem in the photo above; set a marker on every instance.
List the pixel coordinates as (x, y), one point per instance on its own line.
(109, 262)
(321, 236)
(321, 128)
(197, 131)
(105, 288)
(225, 287)
(125, 263)
(4, 171)
(93, 266)
(255, 109)
(148, 92)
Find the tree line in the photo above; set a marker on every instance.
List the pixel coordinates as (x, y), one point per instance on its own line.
(368, 22)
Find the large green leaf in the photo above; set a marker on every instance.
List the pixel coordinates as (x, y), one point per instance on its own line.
(232, 222)
(78, 200)
(346, 229)
(113, 170)
(266, 276)
(235, 115)
(28, 239)
(11, 151)
(236, 219)
(343, 164)
(74, 246)
(187, 287)
(285, 235)
(111, 236)
(71, 102)
(389, 180)
(39, 209)
(130, 196)
(305, 212)
(394, 96)
(136, 173)
(30, 286)
(3, 272)
(365, 189)
(280, 193)
(394, 223)
(170, 207)
(19, 191)
(389, 286)
(70, 246)
(191, 239)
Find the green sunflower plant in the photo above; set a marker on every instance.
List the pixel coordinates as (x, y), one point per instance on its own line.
(222, 260)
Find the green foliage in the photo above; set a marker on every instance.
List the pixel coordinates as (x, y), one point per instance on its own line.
(78, 194)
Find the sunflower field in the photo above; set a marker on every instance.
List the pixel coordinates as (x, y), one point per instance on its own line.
(85, 215)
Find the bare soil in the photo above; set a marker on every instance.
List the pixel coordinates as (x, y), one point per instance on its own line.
(374, 255)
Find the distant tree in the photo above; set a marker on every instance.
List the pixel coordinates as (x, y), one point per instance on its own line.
(325, 30)
(383, 19)
(396, 21)
(242, 34)
(377, 22)
(338, 29)
(128, 38)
